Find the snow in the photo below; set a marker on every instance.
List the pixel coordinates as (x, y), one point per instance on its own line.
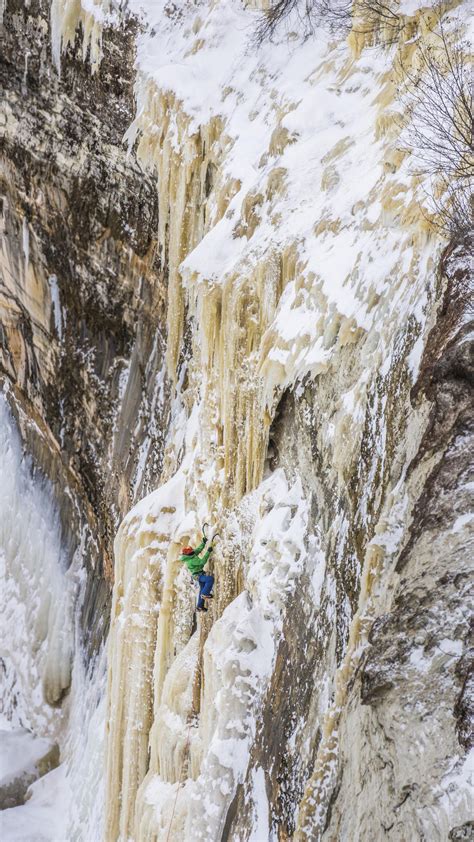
(278, 552)
(419, 661)
(56, 306)
(333, 175)
(318, 560)
(66, 803)
(409, 7)
(36, 618)
(239, 656)
(20, 752)
(451, 647)
(414, 357)
(322, 233)
(41, 658)
(65, 17)
(457, 785)
(261, 815)
(461, 522)
(44, 814)
(332, 163)
(167, 502)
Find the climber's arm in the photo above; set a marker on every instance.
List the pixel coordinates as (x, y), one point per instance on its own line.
(201, 546)
(206, 555)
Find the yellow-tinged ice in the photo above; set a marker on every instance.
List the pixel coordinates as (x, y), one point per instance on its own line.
(67, 16)
(163, 678)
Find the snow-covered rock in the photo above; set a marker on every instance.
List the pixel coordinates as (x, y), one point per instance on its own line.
(281, 349)
(24, 758)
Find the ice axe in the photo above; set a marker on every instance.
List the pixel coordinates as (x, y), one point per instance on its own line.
(203, 530)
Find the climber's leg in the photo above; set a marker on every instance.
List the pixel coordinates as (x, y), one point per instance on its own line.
(200, 602)
(205, 588)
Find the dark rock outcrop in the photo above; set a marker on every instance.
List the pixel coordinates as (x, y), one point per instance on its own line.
(82, 295)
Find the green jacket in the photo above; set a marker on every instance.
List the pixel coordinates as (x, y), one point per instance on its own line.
(195, 564)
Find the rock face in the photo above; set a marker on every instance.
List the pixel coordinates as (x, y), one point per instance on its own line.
(248, 321)
(404, 726)
(83, 295)
(26, 759)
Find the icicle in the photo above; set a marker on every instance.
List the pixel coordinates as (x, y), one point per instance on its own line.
(38, 595)
(26, 244)
(25, 73)
(56, 33)
(56, 305)
(66, 16)
(181, 156)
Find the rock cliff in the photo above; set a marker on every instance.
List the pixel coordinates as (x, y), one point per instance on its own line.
(83, 293)
(226, 299)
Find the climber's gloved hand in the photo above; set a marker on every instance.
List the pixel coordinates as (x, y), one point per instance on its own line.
(210, 549)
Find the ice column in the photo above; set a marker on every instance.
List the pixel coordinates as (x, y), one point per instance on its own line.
(36, 619)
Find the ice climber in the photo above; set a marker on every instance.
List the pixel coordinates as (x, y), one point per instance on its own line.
(195, 565)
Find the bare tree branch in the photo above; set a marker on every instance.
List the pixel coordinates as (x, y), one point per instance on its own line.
(332, 15)
(438, 125)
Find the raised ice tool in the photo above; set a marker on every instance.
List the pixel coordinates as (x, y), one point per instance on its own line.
(214, 536)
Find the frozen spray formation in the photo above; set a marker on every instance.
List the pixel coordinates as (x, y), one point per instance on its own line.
(308, 364)
(51, 709)
(38, 617)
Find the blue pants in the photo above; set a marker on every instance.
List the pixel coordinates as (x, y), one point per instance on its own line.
(205, 587)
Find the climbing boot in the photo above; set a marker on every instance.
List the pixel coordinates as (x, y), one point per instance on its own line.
(201, 609)
(211, 596)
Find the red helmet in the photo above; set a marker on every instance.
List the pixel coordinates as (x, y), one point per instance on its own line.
(187, 551)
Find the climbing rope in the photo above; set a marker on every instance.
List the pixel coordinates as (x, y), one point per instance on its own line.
(180, 777)
(185, 753)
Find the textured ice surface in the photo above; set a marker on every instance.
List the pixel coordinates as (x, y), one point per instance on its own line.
(42, 659)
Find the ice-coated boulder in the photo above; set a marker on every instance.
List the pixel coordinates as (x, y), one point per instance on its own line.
(23, 759)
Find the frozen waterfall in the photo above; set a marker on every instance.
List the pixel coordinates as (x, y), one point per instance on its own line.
(49, 699)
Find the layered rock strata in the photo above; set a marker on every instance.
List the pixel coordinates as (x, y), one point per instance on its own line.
(83, 292)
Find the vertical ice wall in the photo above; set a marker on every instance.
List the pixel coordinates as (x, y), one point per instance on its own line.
(37, 619)
(296, 249)
(298, 253)
(45, 687)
